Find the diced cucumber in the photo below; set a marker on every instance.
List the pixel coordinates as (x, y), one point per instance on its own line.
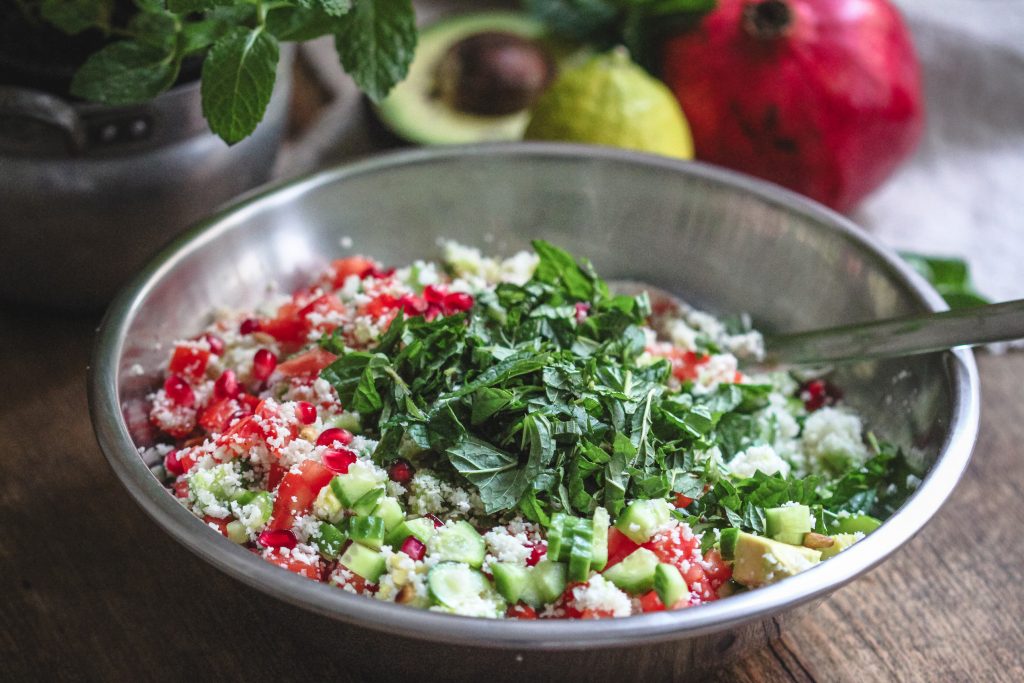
(865, 524)
(367, 530)
(244, 497)
(327, 506)
(600, 541)
(368, 501)
(642, 519)
(581, 553)
(727, 542)
(511, 580)
(220, 481)
(356, 483)
(549, 578)
(256, 513)
(463, 590)
(669, 584)
(349, 421)
(560, 535)
(237, 532)
(364, 561)
(459, 542)
(390, 510)
(635, 574)
(788, 524)
(421, 527)
(329, 540)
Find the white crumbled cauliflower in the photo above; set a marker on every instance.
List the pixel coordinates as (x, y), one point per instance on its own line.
(602, 595)
(832, 439)
(758, 458)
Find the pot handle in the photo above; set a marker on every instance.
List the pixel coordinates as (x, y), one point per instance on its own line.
(47, 109)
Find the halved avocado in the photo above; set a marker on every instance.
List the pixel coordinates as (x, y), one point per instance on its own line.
(473, 79)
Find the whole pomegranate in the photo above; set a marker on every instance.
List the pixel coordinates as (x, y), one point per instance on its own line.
(822, 96)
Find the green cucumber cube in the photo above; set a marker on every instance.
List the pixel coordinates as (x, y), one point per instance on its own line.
(549, 580)
(390, 510)
(367, 530)
(459, 542)
(363, 561)
(420, 527)
(669, 584)
(788, 524)
(634, 574)
(643, 518)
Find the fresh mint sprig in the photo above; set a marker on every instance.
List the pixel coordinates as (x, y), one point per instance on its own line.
(240, 40)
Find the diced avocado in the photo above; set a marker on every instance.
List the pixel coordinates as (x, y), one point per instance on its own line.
(643, 518)
(420, 527)
(329, 540)
(354, 484)
(549, 580)
(582, 551)
(865, 524)
(600, 542)
(364, 561)
(237, 532)
(463, 590)
(635, 574)
(349, 421)
(390, 510)
(511, 580)
(367, 530)
(842, 542)
(459, 542)
(327, 506)
(669, 584)
(368, 501)
(788, 524)
(758, 561)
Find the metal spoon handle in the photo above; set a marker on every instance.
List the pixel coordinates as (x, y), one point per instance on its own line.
(900, 336)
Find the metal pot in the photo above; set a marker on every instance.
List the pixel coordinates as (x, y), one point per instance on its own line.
(88, 193)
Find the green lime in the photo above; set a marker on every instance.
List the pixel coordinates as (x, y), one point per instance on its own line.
(612, 101)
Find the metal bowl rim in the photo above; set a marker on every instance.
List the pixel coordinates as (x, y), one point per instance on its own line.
(123, 456)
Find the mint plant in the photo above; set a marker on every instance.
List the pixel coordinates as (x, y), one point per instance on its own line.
(375, 40)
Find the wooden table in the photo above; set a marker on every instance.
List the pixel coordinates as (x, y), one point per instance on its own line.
(93, 589)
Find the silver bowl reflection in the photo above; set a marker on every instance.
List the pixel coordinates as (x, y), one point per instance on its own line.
(718, 239)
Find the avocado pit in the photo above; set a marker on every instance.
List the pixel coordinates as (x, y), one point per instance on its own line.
(493, 73)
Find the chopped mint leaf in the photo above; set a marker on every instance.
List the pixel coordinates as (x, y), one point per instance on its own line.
(125, 72)
(376, 41)
(238, 80)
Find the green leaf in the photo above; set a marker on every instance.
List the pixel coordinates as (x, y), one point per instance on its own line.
(376, 42)
(496, 473)
(592, 21)
(950, 276)
(156, 29)
(125, 72)
(299, 25)
(238, 80)
(190, 6)
(75, 16)
(335, 8)
(558, 267)
(199, 35)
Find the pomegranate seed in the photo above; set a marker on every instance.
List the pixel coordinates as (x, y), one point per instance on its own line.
(334, 435)
(249, 325)
(434, 518)
(263, 364)
(172, 465)
(337, 460)
(414, 548)
(457, 302)
(433, 295)
(818, 393)
(582, 310)
(400, 471)
(178, 391)
(306, 412)
(412, 305)
(216, 344)
(236, 416)
(377, 273)
(277, 538)
(537, 554)
(226, 385)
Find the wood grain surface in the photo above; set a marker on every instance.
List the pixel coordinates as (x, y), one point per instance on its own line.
(93, 590)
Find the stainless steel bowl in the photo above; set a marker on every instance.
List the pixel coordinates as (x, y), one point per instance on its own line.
(720, 240)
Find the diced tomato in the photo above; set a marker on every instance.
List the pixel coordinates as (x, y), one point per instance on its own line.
(352, 265)
(717, 570)
(683, 501)
(187, 458)
(676, 546)
(220, 524)
(358, 583)
(380, 305)
(521, 611)
(275, 475)
(650, 602)
(215, 417)
(308, 364)
(619, 546)
(322, 306)
(293, 564)
(685, 364)
(180, 488)
(287, 327)
(296, 493)
(189, 361)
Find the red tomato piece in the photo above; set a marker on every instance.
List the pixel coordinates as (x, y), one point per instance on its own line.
(220, 524)
(180, 488)
(214, 419)
(308, 364)
(293, 564)
(521, 611)
(650, 602)
(676, 546)
(683, 501)
(189, 361)
(274, 475)
(352, 265)
(717, 570)
(296, 493)
(619, 546)
(287, 327)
